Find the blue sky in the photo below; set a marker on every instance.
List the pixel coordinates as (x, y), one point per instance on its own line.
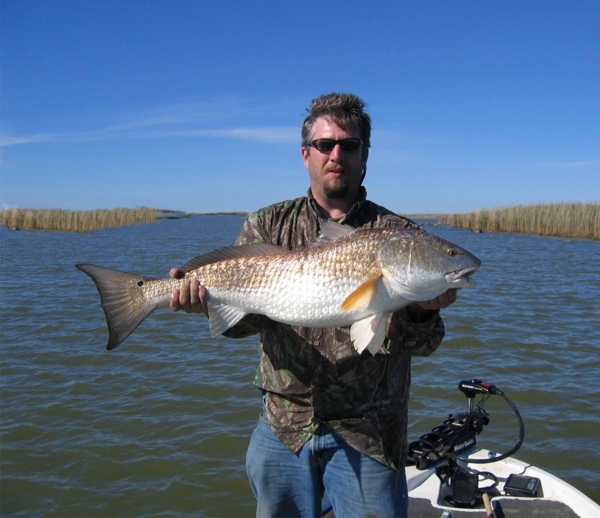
(197, 105)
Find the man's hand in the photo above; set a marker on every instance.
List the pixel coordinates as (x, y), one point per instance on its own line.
(191, 298)
(441, 302)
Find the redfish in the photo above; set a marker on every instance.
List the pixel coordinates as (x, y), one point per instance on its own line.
(347, 278)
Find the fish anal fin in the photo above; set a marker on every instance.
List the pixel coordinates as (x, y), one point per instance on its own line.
(369, 333)
(361, 297)
(221, 317)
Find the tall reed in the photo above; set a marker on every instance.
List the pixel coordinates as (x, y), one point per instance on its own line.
(76, 221)
(553, 219)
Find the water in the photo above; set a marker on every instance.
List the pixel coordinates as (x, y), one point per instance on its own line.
(160, 426)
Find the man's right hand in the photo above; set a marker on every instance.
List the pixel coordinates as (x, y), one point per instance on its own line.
(191, 297)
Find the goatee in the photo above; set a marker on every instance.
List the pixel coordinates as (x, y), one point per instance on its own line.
(337, 190)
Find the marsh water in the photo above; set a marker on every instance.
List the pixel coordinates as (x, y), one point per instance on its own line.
(160, 425)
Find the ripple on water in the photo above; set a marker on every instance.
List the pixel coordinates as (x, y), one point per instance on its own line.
(160, 426)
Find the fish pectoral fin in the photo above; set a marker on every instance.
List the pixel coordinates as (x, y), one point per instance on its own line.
(221, 317)
(369, 333)
(361, 297)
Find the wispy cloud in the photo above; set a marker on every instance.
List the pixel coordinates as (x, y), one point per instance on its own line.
(191, 112)
(9, 140)
(263, 134)
(179, 120)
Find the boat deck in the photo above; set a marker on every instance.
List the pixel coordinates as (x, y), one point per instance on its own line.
(429, 498)
(503, 507)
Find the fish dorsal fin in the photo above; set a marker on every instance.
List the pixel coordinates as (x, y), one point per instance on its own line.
(369, 333)
(221, 316)
(330, 231)
(234, 252)
(361, 297)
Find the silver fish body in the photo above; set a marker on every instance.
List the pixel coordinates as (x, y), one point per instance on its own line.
(348, 278)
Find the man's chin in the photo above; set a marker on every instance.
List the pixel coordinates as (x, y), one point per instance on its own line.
(337, 193)
(337, 190)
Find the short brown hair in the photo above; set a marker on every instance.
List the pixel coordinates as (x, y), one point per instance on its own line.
(345, 110)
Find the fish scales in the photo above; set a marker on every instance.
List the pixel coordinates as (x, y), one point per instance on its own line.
(296, 286)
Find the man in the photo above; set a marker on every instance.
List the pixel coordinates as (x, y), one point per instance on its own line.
(333, 421)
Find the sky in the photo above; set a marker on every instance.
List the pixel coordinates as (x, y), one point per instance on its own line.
(197, 105)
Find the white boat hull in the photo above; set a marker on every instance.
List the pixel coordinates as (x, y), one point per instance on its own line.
(428, 496)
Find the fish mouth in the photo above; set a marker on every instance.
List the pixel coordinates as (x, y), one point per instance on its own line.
(461, 278)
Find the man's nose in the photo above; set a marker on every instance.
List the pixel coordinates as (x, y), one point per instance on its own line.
(335, 152)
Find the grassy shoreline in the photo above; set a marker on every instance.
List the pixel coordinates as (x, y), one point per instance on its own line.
(90, 220)
(77, 220)
(574, 220)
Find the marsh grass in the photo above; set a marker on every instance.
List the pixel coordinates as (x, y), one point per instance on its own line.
(581, 220)
(76, 221)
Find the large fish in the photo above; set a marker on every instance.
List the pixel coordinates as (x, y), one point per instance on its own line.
(346, 278)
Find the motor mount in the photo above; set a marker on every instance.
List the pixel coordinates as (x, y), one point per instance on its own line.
(456, 434)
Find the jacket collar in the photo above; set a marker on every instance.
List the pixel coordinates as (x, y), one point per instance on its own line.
(352, 212)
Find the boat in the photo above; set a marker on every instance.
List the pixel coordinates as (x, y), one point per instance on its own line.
(449, 476)
(552, 497)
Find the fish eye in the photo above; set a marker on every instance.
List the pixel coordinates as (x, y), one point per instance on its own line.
(452, 252)
(140, 283)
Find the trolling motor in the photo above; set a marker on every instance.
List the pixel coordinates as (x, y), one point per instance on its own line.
(455, 435)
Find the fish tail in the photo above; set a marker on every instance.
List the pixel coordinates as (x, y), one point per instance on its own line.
(123, 300)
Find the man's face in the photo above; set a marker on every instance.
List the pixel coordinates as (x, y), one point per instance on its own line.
(337, 174)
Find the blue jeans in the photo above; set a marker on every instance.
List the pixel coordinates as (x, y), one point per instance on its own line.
(287, 485)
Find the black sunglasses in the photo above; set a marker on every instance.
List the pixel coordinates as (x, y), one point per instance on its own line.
(326, 145)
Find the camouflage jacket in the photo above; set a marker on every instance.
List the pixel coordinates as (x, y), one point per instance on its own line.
(310, 375)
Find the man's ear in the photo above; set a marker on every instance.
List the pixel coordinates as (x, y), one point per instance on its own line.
(305, 152)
